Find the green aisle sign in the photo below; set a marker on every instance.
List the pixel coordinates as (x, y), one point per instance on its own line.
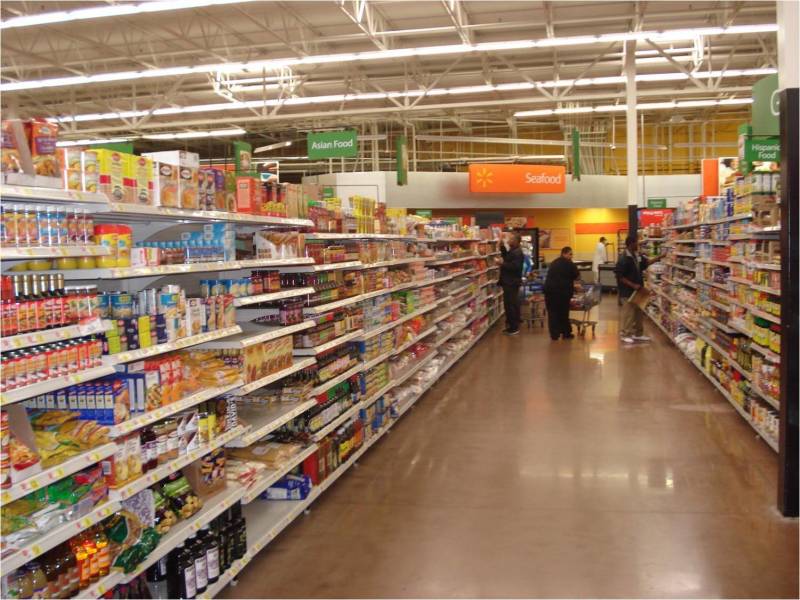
(333, 144)
(401, 151)
(765, 106)
(576, 154)
(762, 149)
(656, 203)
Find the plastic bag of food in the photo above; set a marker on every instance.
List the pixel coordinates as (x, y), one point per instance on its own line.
(165, 517)
(181, 496)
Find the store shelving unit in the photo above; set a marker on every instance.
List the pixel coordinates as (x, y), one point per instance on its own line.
(715, 310)
(255, 422)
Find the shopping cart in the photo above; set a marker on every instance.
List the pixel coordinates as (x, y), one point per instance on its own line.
(533, 309)
(584, 301)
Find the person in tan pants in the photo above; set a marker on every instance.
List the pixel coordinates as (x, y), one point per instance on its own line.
(630, 277)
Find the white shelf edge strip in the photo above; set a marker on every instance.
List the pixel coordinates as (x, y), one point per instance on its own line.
(192, 340)
(272, 296)
(342, 339)
(268, 480)
(256, 433)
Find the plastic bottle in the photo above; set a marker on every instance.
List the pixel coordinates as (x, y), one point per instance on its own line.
(124, 244)
(106, 236)
(103, 552)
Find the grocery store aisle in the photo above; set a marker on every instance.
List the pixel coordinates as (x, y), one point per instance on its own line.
(549, 469)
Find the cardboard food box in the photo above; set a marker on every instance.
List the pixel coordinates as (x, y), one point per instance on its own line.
(207, 475)
(107, 171)
(165, 185)
(220, 202)
(71, 159)
(141, 172)
(42, 136)
(188, 164)
(247, 195)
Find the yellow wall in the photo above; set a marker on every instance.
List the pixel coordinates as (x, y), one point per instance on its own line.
(548, 218)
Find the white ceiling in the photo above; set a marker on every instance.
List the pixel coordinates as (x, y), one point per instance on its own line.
(267, 30)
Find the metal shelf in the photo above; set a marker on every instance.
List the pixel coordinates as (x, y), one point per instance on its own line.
(263, 420)
(328, 345)
(51, 385)
(52, 252)
(182, 269)
(335, 423)
(768, 290)
(273, 296)
(273, 377)
(255, 334)
(152, 416)
(455, 260)
(764, 315)
(147, 479)
(23, 193)
(25, 340)
(324, 387)
(138, 212)
(413, 341)
(192, 340)
(52, 474)
(310, 267)
(393, 324)
(270, 477)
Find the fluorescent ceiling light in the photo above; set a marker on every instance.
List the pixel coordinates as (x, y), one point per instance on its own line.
(275, 146)
(116, 10)
(671, 105)
(194, 134)
(69, 143)
(239, 67)
(475, 89)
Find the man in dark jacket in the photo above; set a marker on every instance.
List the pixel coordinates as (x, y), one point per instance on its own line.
(510, 280)
(630, 277)
(559, 286)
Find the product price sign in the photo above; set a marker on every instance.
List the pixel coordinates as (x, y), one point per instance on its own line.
(333, 144)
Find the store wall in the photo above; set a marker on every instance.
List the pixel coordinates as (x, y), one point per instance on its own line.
(371, 184)
(584, 225)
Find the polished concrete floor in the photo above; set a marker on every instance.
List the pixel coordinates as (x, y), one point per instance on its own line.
(549, 469)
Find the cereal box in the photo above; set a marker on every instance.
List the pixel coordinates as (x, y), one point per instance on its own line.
(141, 171)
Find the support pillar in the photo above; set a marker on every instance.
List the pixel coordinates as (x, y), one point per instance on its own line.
(630, 134)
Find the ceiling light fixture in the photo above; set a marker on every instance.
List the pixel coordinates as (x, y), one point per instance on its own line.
(275, 146)
(99, 12)
(239, 67)
(70, 143)
(475, 89)
(185, 135)
(671, 105)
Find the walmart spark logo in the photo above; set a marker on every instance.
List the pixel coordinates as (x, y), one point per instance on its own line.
(484, 177)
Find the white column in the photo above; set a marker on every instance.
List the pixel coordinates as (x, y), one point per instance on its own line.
(630, 123)
(788, 49)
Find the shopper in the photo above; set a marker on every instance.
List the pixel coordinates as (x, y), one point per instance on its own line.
(510, 280)
(559, 285)
(600, 257)
(630, 277)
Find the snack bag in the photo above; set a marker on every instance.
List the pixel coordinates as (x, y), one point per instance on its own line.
(42, 137)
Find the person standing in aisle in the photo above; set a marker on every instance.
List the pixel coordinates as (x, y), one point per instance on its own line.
(630, 277)
(510, 280)
(600, 257)
(559, 285)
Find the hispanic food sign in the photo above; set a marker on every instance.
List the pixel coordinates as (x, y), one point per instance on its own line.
(517, 179)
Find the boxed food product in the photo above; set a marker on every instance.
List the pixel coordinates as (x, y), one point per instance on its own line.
(10, 153)
(220, 202)
(42, 136)
(141, 172)
(248, 195)
(230, 191)
(207, 475)
(188, 164)
(70, 159)
(165, 185)
(107, 171)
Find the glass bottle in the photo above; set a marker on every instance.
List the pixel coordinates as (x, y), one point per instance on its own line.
(212, 552)
(157, 576)
(103, 552)
(38, 579)
(186, 574)
(200, 565)
(24, 307)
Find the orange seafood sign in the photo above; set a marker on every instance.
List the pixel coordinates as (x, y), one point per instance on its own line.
(517, 179)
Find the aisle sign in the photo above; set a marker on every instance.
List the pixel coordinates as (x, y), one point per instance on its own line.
(333, 144)
(766, 109)
(517, 179)
(656, 203)
(762, 149)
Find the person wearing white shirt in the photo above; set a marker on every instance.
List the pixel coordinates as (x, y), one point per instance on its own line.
(600, 257)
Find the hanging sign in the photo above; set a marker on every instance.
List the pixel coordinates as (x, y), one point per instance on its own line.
(401, 151)
(765, 106)
(243, 157)
(517, 179)
(333, 144)
(576, 154)
(656, 203)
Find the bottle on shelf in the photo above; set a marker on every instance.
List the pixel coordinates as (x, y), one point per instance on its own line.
(186, 574)
(197, 548)
(211, 544)
(158, 579)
